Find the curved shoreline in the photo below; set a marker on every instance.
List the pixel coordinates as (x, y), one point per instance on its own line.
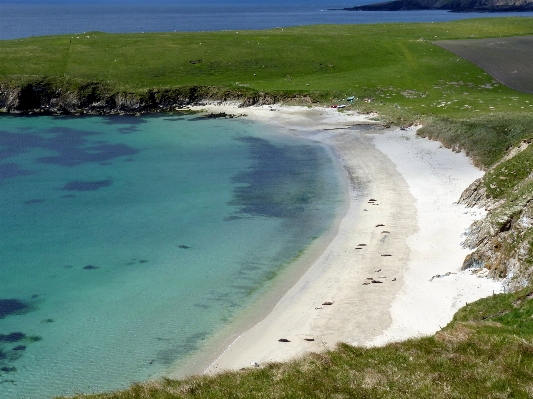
(373, 313)
(198, 361)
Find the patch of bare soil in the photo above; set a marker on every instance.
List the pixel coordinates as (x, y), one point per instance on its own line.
(508, 60)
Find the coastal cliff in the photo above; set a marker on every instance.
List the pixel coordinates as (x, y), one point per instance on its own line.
(502, 241)
(451, 5)
(95, 98)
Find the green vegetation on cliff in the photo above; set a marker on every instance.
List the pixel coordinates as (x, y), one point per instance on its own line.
(387, 67)
(452, 5)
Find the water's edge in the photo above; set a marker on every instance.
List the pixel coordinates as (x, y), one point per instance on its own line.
(197, 362)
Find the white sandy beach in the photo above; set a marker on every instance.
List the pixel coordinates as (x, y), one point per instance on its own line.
(414, 222)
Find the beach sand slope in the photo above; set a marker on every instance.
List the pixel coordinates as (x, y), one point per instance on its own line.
(436, 177)
(373, 283)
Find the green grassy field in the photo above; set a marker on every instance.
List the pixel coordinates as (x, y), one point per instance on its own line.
(394, 69)
(394, 64)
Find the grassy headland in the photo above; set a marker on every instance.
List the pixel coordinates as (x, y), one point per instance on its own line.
(394, 65)
(393, 69)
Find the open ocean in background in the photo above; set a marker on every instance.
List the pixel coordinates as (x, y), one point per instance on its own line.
(25, 18)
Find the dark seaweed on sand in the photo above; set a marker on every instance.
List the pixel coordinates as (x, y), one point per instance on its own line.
(12, 337)
(9, 307)
(277, 184)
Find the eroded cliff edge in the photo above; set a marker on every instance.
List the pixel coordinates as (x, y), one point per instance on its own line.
(499, 143)
(502, 242)
(96, 98)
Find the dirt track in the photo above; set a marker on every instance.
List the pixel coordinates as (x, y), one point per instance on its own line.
(508, 60)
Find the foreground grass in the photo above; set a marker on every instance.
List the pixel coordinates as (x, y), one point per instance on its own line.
(485, 352)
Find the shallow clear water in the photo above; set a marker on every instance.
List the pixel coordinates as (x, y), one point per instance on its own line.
(125, 242)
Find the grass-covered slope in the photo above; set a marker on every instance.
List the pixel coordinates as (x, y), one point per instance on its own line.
(394, 65)
(485, 352)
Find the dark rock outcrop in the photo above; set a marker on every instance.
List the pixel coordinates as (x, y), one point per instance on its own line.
(451, 5)
(502, 241)
(95, 98)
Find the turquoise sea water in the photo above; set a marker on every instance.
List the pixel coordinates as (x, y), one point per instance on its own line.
(126, 241)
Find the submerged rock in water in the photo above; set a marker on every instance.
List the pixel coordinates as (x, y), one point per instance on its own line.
(12, 337)
(34, 201)
(78, 185)
(9, 307)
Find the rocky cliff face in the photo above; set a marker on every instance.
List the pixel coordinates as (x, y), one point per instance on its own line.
(91, 98)
(502, 242)
(99, 99)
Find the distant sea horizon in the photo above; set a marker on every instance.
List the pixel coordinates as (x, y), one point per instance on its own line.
(21, 19)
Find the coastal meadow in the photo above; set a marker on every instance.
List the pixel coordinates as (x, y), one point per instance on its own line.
(389, 68)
